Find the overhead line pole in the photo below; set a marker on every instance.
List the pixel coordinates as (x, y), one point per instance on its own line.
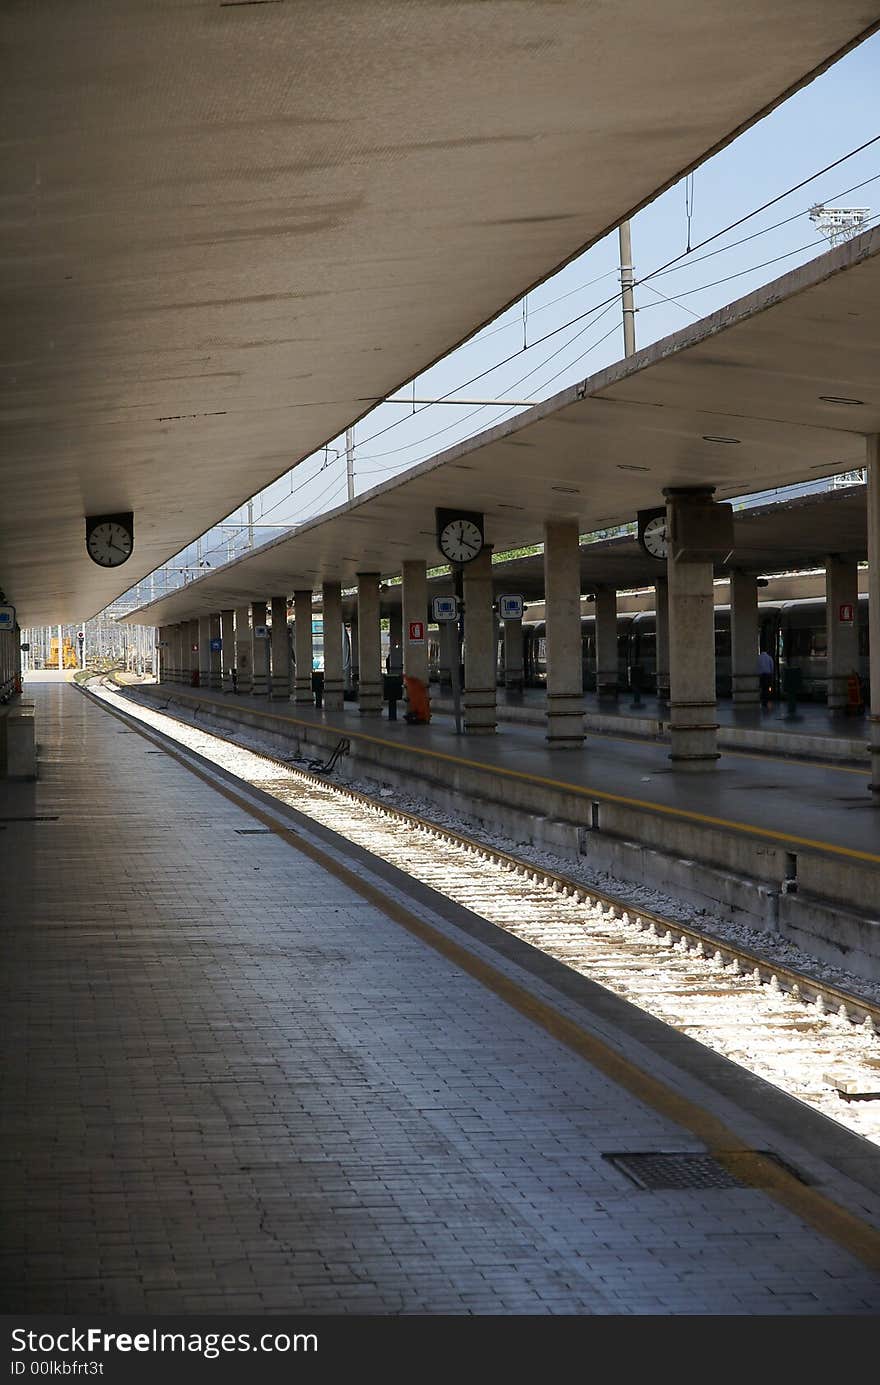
(349, 462)
(626, 288)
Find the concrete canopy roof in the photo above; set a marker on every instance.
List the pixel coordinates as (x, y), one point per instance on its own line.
(791, 535)
(754, 372)
(226, 224)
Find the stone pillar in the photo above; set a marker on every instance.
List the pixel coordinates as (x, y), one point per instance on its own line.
(693, 726)
(333, 684)
(280, 650)
(395, 639)
(873, 464)
(227, 654)
(204, 628)
(370, 687)
(513, 656)
(841, 589)
(661, 637)
(215, 633)
(161, 655)
(448, 653)
(370, 646)
(177, 643)
(355, 651)
(480, 645)
(260, 655)
(744, 680)
(302, 634)
(194, 649)
(243, 648)
(606, 642)
(562, 597)
(415, 607)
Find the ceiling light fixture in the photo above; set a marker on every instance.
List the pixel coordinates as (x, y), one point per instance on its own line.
(713, 437)
(566, 490)
(630, 466)
(839, 399)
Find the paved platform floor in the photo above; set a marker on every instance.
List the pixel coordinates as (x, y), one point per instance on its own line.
(810, 801)
(811, 718)
(233, 1085)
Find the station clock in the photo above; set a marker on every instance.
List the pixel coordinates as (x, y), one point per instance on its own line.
(652, 533)
(110, 538)
(459, 535)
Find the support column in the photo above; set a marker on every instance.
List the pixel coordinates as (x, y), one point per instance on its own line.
(745, 683)
(215, 634)
(480, 646)
(355, 651)
(841, 590)
(243, 648)
(513, 655)
(280, 650)
(260, 654)
(395, 639)
(415, 608)
(302, 635)
(606, 642)
(369, 646)
(333, 684)
(562, 598)
(693, 726)
(873, 464)
(192, 644)
(227, 654)
(161, 655)
(204, 628)
(661, 637)
(448, 654)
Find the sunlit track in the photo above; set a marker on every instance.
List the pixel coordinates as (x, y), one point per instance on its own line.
(800, 1034)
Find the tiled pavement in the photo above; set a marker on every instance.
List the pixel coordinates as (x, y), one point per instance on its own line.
(234, 1086)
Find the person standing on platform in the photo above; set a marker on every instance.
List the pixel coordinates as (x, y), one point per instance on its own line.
(766, 669)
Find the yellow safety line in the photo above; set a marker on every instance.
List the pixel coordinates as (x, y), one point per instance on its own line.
(581, 790)
(814, 1208)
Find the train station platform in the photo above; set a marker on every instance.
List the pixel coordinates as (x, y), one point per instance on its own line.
(237, 1084)
(791, 845)
(813, 732)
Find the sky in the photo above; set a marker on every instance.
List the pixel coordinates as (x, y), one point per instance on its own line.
(824, 121)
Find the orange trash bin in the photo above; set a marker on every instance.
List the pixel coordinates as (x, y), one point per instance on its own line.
(419, 703)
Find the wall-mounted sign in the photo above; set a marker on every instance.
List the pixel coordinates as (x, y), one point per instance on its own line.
(261, 632)
(194, 648)
(416, 632)
(216, 644)
(510, 607)
(7, 617)
(444, 608)
(846, 614)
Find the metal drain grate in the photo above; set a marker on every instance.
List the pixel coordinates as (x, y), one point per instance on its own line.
(698, 1171)
(253, 831)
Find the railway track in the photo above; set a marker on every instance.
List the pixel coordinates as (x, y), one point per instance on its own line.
(812, 1039)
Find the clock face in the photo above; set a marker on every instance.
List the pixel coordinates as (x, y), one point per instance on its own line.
(654, 537)
(460, 540)
(109, 544)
